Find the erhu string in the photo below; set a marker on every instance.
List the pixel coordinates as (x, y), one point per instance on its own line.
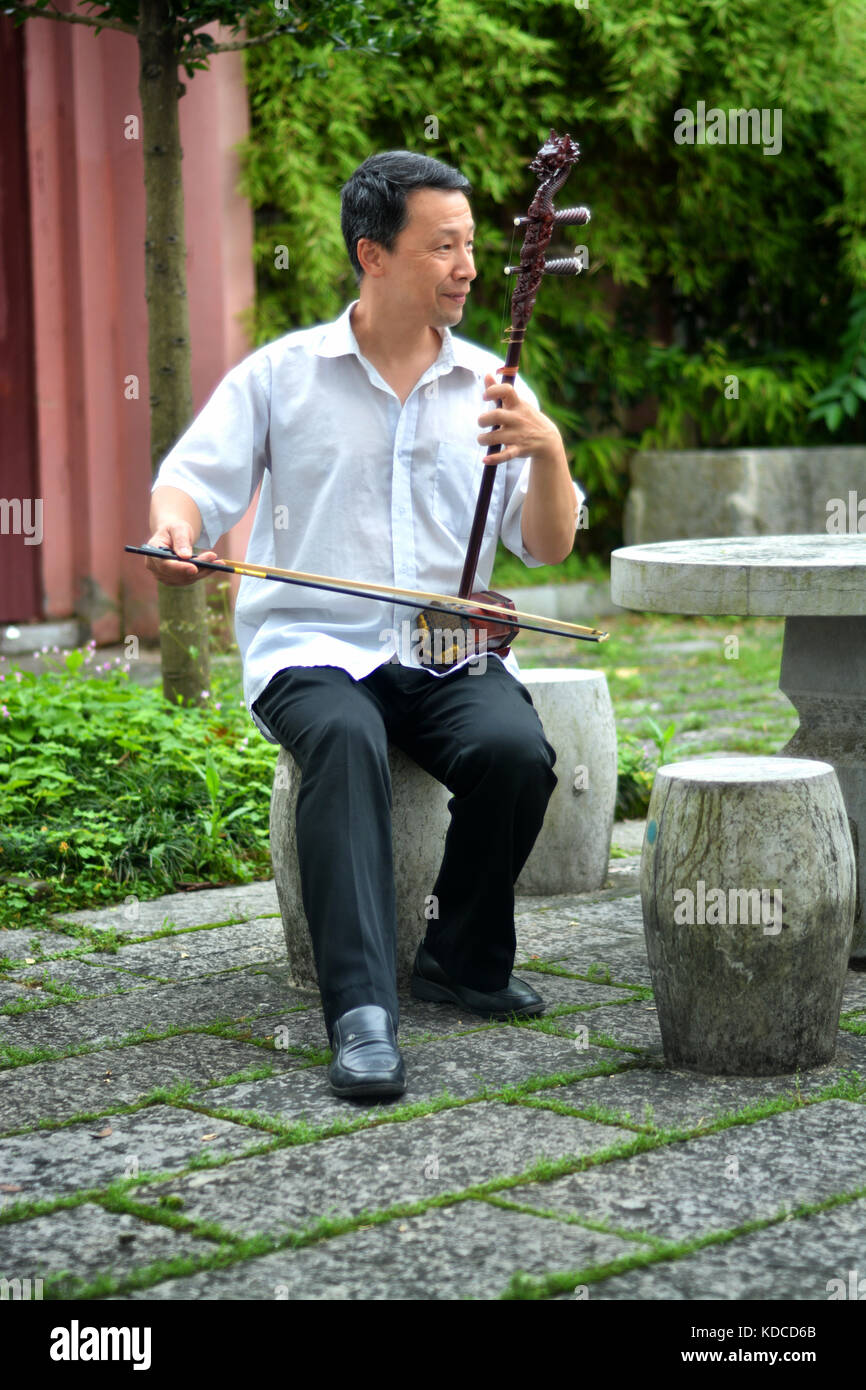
(507, 291)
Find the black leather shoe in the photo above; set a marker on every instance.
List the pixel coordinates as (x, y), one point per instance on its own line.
(367, 1060)
(429, 981)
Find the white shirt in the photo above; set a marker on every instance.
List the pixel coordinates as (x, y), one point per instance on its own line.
(354, 485)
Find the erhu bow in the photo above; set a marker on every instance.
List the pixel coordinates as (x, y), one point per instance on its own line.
(490, 615)
(552, 165)
(409, 598)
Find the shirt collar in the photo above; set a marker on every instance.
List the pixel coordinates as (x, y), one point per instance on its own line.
(338, 340)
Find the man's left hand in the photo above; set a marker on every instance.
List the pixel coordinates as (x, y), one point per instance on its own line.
(521, 429)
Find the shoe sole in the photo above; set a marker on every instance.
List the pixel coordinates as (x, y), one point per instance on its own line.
(366, 1090)
(438, 994)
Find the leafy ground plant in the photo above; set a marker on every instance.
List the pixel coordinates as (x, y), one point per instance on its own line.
(106, 789)
(635, 773)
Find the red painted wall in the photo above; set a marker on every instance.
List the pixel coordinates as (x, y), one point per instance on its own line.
(86, 195)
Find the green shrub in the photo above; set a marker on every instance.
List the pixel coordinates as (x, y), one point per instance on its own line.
(105, 789)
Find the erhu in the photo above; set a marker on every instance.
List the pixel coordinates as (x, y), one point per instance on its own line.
(476, 631)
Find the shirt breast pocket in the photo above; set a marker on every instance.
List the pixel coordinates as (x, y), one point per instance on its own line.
(459, 471)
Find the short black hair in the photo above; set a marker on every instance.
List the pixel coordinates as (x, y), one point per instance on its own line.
(373, 199)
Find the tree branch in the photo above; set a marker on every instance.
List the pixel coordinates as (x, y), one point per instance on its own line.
(31, 12)
(192, 53)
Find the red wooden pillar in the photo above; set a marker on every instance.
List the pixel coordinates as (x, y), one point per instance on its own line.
(20, 501)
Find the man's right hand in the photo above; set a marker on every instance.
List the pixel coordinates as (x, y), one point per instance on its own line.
(177, 536)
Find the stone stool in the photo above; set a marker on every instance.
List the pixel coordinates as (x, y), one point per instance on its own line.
(570, 855)
(748, 888)
(419, 820)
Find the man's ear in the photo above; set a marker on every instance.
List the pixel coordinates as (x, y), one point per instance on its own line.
(371, 255)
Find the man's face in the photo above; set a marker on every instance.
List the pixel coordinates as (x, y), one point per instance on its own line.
(429, 271)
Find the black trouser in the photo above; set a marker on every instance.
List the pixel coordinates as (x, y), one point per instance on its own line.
(475, 730)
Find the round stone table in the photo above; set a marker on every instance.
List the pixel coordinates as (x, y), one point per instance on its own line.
(817, 583)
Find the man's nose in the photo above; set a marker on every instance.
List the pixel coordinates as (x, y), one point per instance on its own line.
(465, 268)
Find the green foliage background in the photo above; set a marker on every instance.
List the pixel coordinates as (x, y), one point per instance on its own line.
(706, 261)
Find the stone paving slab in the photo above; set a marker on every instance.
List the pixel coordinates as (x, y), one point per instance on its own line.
(850, 1054)
(420, 1019)
(566, 907)
(120, 1076)
(48, 1163)
(685, 1100)
(10, 993)
(250, 992)
(16, 944)
(623, 875)
(798, 1259)
(628, 835)
(625, 960)
(302, 1029)
(719, 1181)
(205, 952)
(568, 916)
(137, 918)
(181, 964)
(621, 916)
(577, 950)
(854, 993)
(375, 1168)
(85, 976)
(461, 1066)
(633, 1025)
(87, 1241)
(557, 989)
(466, 1251)
(584, 955)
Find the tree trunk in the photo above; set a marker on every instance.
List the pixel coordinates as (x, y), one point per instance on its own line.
(182, 611)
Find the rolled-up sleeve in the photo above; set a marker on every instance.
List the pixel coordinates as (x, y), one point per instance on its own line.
(219, 461)
(517, 486)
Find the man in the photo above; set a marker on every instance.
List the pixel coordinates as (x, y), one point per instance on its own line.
(363, 435)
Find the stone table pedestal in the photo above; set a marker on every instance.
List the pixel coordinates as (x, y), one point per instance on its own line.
(824, 676)
(817, 583)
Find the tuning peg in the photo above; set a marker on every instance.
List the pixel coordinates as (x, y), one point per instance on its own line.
(563, 265)
(560, 265)
(573, 217)
(570, 217)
